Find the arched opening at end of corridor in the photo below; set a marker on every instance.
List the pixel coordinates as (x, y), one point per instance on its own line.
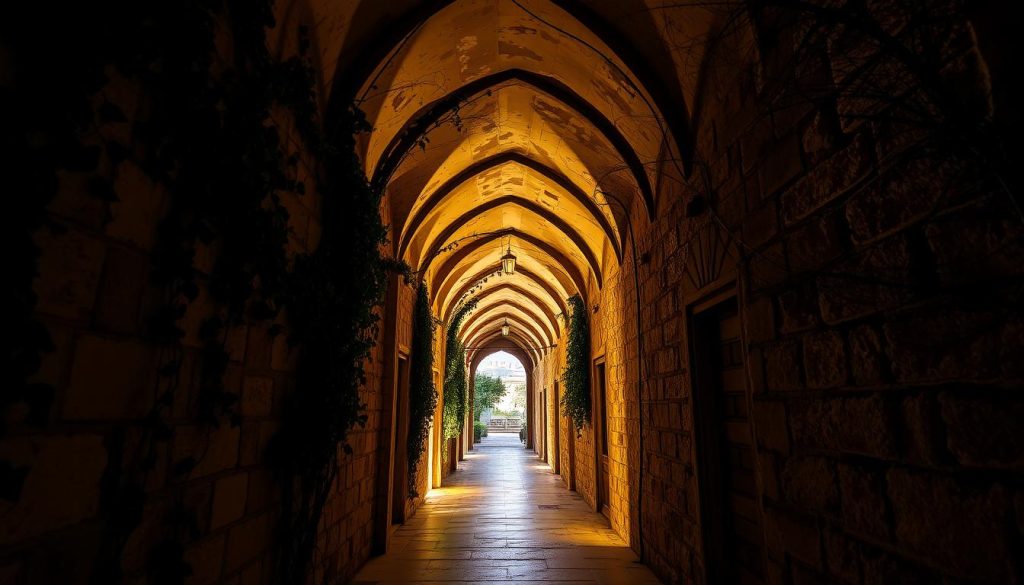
(516, 159)
(499, 393)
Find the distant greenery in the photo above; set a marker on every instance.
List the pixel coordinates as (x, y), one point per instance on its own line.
(479, 430)
(576, 376)
(487, 392)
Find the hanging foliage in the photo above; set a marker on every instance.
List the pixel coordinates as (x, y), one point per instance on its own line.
(422, 393)
(454, 414)
(208, 134)
(576, 377)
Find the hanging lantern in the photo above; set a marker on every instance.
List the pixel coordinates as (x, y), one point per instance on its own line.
(508, 261)
(504, 327)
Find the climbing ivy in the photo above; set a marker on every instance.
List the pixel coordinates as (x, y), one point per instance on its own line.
(454, 413)
(422, 393)
(576, 376)
(206, 130)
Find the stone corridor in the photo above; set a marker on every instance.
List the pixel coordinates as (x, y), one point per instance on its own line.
(505, 518)
(761, 262)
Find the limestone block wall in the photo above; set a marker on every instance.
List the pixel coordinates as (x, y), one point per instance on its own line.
(209, 489)
(880, 344)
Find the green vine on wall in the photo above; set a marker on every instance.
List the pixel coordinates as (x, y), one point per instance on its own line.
(576, 402)
(422, 393)
(454, 414)
(203, 126)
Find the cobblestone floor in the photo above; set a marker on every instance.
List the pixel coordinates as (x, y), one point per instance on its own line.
(503, 517)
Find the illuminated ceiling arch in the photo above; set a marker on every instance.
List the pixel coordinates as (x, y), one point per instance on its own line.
(553, 230)
(533, 248)
(519, 316)
(511, 121)
(537, 289)
(523, 167)
(495, 343)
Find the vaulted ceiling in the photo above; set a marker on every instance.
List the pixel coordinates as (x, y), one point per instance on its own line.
(515, 124)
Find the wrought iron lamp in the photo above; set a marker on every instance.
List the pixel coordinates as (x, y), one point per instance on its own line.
(508, 261)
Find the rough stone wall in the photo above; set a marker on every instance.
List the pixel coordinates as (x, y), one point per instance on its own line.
(614, 342)
(882, 341)
(96, 300)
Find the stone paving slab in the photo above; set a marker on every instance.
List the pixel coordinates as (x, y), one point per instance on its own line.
(505, 518)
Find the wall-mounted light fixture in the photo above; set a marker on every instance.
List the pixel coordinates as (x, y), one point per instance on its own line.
(505, 328)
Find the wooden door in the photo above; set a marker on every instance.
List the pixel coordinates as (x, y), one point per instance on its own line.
(601, 427)
(730, 514)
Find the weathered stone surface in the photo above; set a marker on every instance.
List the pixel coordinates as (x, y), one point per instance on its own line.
(760, 320)
(782, 366)
(70, 265)
(197, 500)
(842, 556)
(897, 199)
(824, 360)
(247, 540)
(881, 567)
(794, 535)
(922, 430)
(110, 379)
(866, 356)
(817, 242)
(863, 501)
(761, 225)
(258, 347)
(944, 344)
(972, 246)
(768, 268)
(771, 426)
(810, 482)
(257, 396)
(984, 429)
(798, 308)
(781, 165)
(957, 526)
(855, 425)
(142, 203)
(828, 180)
(61, 485)
(875, 280)
(206, 559)
(283, 357)
(211, 449)
(818, 139)
(229, 496)
(125, 274)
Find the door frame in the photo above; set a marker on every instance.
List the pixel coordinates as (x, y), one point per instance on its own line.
(400, 463)
(556, 449)
(384, 485)
(708, 459)
(544, 424)
(570, 476)
(599, 414)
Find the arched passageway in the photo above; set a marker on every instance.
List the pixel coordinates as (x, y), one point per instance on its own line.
(509, 132)
(761, 263)
(503, 517)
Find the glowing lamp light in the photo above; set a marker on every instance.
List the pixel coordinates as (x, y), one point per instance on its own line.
(508, 261)
(504, 327)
